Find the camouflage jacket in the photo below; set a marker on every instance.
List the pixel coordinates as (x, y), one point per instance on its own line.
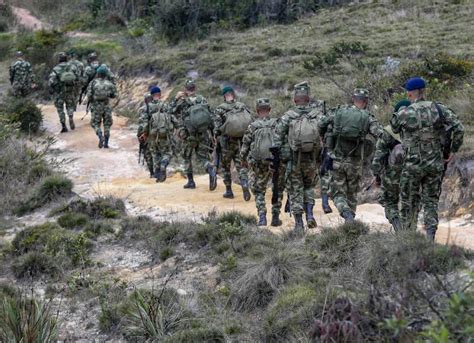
(80, 70)
(54, 81)
(101, 85)
(21, 73)
(326, 130)
(146, 112)
(90, 72)
(249, 136)
(179, 108)
(384, 147)
(219, 115)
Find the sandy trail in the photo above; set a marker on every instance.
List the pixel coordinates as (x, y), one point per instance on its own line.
(116, 172)
(28, 20)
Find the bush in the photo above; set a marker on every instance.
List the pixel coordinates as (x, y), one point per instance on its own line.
(72, 220)
(24, 112)
(99, 208)
(33, 265)
(6, 44)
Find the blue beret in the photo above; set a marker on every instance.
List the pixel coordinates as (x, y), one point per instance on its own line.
(415, 83)
(227, 89)
(155, 90)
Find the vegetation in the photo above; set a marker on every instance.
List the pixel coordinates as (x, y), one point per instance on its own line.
(24, 112)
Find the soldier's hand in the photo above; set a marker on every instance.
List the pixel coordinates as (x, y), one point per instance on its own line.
(143, 137)
(34, 85)
(179, 95)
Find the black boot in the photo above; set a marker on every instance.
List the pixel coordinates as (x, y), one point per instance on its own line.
(63, 127)
(101, 140)
(157, 174)
(245, 189)
(397, 226)
(348, 216)
(162, 176)
(71, 123)
(276, 219)
(106, 141)
(431, 233)
(262, 219)
(298, 231)
(152, 173)
(326, 208)
(190, 184)
(310, 216)
(212, 178)
(228, 192)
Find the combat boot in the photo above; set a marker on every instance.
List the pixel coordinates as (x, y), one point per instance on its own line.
(348, 216)
(276, 219)
(298, 231)
(228, 193)
(245, 189)
(71, 123)
(262, 219)
(162, 175)
(310, 216)
(431, 233)
(326, 208)
(63, 127)
(106, 141)
(191, 184)
(157, 174)
(212, 178)
(101, 140)
(397, 226)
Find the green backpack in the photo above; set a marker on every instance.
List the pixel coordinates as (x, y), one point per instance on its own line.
(198, 119)
(67, 76)
(263, 141)
(237, 121)
(160, 124)
(101, 90)
(351, 125)
(303, 133)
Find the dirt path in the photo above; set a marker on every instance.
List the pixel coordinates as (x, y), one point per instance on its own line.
(116, 172)
(28, 20)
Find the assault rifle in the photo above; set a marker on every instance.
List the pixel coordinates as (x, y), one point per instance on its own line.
(446, 139)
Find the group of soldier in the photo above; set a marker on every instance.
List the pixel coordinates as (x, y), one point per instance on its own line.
(306, 144)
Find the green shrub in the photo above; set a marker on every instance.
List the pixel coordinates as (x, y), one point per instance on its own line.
(33, 265)
(24, 112)
(6, 45)
(99, 208)
(97, 228)
(208, 335)
(72, 220)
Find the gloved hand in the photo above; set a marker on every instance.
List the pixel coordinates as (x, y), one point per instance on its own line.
(143, 137)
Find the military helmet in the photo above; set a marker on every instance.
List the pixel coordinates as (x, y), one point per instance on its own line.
(92, 56)
(360, 93)
(190, 85)
(19, 53)
(302, 88)
(227, 89)
(263, 103)
(62, 56)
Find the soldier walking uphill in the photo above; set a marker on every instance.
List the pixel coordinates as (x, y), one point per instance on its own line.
(194, 116)
(21, 76)
(62, 84)
(81, 76)
(231, 120)
(427, 129)
(347, 129)
(142, 133)
(90, 72)
(256, 145)
(299, 127)
(99, 92)
(387, 168)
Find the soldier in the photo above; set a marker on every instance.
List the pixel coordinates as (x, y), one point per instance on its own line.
(91, 69)
(81, 76)
(387, 167)
(193, 114)
(423, 126)
(159, 134)
(99, 91)
(256, 143)
(299, 128)
(142, 133)
(347, 129)
(21, 76)
(231, 120)
(62, 84)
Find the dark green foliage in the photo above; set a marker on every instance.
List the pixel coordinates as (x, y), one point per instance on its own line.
(72, 220)
(24, 112)
(99, 208)
(35, 264)
(208, 335)
(97, 228)
(112, 305)
(233, 218)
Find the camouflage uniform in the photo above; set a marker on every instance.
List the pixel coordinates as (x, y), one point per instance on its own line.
(421, 126)
(63, 94)
(21, 77)
(230, 145)
(81, 77)
(261, 171)
(143, 122)
(101, 112)
(347, 168)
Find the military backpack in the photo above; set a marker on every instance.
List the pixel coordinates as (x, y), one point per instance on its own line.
(67, 76)
(351, 126)
(101, 90)
(303, 133)
(198, 119)
(237, 121)
(160, 123)
(263, 141)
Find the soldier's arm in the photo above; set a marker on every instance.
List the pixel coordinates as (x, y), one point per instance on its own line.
(281, 131)
(113, 91)
(375, 128)
(141, 121)
(89, 91)
(382, 150)
(453, 123)
(324, 124)
(246, 142)
(217, 119)
(397, 120)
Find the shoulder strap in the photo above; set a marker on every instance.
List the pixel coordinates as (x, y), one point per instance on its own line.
(440, 112)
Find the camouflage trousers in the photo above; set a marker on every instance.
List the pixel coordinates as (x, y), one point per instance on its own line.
(20, 90)
(302, 178)
(260, 176)
(419, 188)
(231, 152)
(148, 157)
(390, 195)
(68, 99)
(346, 176)
(101, 113)
(200, 145)
(160, 151)
(325, 183)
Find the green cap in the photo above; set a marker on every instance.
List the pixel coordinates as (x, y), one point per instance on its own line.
(102, 70)
(190, 84)
(227, 89)
(402, 103)
(360, 93)
(302, 88)
(263, 102)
